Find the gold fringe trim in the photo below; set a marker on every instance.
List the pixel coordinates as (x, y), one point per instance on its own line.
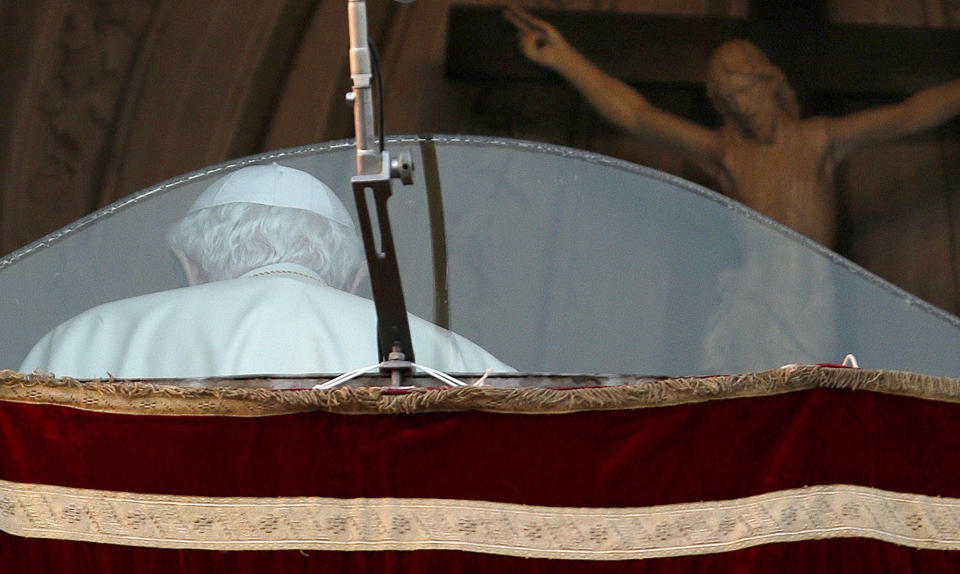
(531, 394)
(384, 524)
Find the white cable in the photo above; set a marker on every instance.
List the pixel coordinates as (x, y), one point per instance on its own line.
(441, 376)
(850, 361)
(348, 376)
(479, 382)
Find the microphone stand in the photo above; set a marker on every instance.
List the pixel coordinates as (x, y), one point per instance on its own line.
(375, 171)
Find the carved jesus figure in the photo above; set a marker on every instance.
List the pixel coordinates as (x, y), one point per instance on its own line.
(764, 155)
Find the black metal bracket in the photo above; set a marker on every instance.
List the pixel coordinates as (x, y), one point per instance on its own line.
(393, 327)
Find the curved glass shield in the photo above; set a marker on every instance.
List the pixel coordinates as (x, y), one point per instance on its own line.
(550, 259)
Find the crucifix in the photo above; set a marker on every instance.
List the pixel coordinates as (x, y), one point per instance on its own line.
(764, 154)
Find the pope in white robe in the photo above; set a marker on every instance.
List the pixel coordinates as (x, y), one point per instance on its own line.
(269, 252)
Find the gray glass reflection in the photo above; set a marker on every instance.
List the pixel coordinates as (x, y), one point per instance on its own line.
(559, 261)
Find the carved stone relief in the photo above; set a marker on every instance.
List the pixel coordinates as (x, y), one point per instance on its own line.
(66, 113)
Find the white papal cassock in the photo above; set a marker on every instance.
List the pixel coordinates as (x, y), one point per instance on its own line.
(278, 319)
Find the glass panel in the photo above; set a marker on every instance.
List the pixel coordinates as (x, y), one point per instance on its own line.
(558, 261)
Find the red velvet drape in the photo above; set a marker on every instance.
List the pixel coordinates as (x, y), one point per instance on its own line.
(714, 450)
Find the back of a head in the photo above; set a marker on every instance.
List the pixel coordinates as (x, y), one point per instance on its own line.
(267, 214)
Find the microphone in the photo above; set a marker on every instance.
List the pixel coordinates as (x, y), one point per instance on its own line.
(368, 159)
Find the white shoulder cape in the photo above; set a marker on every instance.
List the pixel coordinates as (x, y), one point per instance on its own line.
(275, 323)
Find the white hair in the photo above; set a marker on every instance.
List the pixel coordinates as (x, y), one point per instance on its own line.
(229, 240)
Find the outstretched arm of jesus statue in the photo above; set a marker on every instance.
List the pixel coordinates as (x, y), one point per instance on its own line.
(614, 100)
(922, 111)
